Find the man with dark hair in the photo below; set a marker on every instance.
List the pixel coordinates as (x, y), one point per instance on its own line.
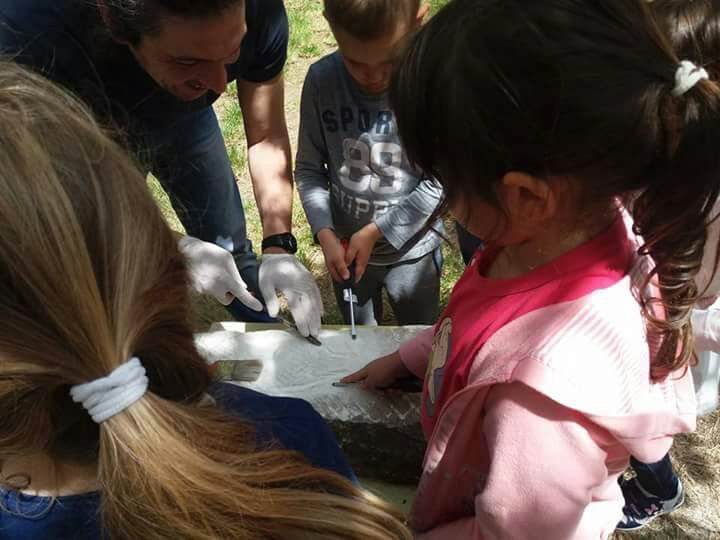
(151, 69)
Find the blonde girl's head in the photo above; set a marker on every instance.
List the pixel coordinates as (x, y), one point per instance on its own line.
(90, 276)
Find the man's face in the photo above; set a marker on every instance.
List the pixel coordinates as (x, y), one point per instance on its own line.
(187, 57)
(370, 61)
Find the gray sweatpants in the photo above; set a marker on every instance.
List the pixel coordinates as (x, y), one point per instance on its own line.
(413, 288)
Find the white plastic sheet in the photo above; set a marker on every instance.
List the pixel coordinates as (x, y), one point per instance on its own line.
(295, 368)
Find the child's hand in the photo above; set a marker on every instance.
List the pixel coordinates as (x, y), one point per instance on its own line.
(380, 373)
(334, 255)
(360, 248)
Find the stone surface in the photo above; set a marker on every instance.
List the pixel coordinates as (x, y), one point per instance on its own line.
(390, 454)
(380, 434)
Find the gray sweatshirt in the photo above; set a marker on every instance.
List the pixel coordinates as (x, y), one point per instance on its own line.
(351, 169)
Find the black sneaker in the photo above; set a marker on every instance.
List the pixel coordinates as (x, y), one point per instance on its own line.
(641, 506)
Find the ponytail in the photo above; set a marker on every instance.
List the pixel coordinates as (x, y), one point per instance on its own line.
(189, 471)
(672, 215)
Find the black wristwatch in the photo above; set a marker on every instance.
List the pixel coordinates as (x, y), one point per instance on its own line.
(285, 241)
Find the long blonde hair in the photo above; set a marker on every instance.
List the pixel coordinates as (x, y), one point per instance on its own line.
(90, 275)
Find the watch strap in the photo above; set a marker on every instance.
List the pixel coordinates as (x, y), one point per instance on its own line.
(284, 241)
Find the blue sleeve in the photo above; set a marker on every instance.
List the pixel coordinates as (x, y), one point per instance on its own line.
(46, 53)
(26, 517)
(41, 42)
(264, 50)
(291, 422)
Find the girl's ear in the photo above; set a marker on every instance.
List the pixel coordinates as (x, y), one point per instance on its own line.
(528, 200)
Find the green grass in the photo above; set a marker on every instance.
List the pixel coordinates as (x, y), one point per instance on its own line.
(233, 130)
(310, 39)
(302, 16)
(164, 203)
(436, 4)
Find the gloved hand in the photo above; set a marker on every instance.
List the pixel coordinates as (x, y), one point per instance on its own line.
(213, 271)
(706, 329)
(283, 273)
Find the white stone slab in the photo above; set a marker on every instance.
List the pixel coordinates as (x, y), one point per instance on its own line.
(293, 367)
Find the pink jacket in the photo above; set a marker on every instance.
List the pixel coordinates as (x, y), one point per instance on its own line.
(556, 401)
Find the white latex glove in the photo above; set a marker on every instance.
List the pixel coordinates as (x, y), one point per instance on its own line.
(213, 271)
(283, 273)
(706, 329)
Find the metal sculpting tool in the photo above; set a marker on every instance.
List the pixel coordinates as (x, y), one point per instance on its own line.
(410, 385)
(292, 326)
(348, 295)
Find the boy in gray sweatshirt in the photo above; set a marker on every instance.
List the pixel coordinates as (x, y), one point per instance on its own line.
(354, 179)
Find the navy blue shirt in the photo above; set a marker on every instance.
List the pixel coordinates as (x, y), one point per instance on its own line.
(67, 41)
(288, 422)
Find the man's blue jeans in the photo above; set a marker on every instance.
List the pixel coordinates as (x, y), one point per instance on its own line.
(191, 162)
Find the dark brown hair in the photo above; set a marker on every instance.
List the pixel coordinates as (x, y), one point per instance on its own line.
(130, 20)
(369, 19)
(90, 275)
(575, 88)
(693, 27)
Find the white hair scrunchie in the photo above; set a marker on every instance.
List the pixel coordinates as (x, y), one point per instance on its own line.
(104, 398)
(687, 76)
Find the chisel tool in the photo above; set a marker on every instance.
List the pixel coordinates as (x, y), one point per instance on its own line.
(292, 326)
(348, 294)
(409, 385)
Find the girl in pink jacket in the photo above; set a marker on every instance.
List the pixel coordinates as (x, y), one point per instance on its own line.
(565, 346)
